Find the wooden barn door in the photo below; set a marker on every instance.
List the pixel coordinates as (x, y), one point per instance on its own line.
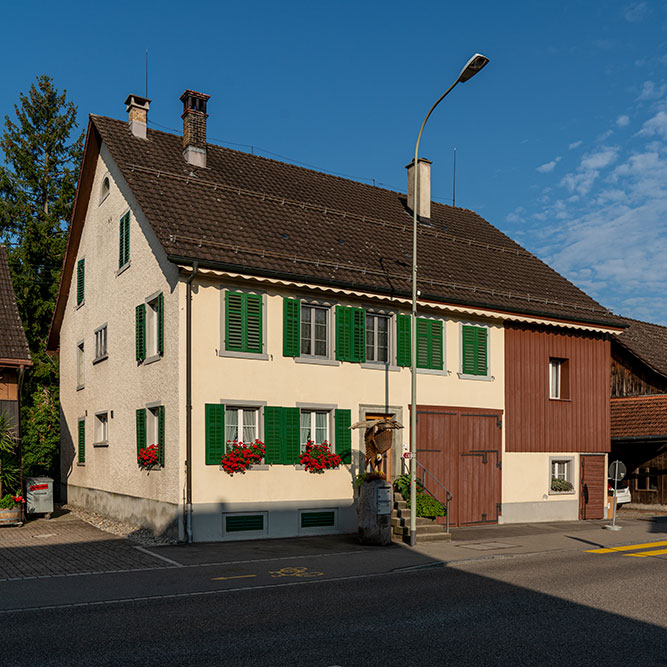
(462, 448)
(592, 486)
(479, 472)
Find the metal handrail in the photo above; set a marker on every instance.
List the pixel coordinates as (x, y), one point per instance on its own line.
(448, 494)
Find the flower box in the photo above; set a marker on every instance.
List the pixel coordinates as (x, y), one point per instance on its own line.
(12, 516)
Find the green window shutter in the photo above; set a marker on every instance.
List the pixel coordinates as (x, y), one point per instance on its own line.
(343, 419)
(482, 351)
(80, 280)
(358, 335)
(474, 355)
(141, 332)
(429, 344)
(214, 414)
(272, 434)
(160, 433)
(234, 321)
(160, 323)
(403, 340)
(253, 323)
(82, 441)
(141, 429)
(291, 327)
(124, 241)
(343, 333)
(423, 343)
(290, 435)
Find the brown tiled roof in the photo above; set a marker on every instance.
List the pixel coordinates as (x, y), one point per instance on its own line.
(639, 416)
(13, 343)
(646, 341)
(259, 216)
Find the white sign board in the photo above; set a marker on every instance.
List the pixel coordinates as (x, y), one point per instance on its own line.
(384, 504)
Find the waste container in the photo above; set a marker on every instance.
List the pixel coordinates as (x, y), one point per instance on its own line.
(39, 495)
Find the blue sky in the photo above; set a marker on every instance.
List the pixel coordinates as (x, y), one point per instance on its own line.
(561, 141)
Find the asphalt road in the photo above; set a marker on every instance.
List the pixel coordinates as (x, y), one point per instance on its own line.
(347, 609)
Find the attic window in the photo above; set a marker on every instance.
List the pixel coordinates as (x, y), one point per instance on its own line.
(104, 189)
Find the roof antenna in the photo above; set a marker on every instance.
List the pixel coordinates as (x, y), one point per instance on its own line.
(146, 73)
(454, 181)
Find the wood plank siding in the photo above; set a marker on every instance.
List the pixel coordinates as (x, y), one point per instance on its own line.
(631, 377)
(537, 423)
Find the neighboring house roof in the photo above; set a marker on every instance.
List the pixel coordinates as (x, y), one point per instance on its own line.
(13, 343)
(646, 341)
(639, 417)
(253, 215)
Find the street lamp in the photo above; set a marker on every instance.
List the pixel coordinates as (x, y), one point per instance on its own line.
(476, 63)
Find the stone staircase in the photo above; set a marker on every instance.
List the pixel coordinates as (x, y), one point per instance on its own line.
(427, 529)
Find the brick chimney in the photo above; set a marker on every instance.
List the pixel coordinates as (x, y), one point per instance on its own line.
(424, 185)
(137, 108)
(194, 127)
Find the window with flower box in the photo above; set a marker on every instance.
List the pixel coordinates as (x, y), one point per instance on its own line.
(150, 429)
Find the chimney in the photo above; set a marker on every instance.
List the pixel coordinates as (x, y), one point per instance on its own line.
(137, 108)
(424, 185)
(194, 127)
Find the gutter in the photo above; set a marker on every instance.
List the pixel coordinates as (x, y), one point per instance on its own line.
(188, 403)
(636, 438)
(269, 273)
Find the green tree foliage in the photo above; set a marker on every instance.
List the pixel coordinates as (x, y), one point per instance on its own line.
(37, 188)
(8, 468)
(41, 431)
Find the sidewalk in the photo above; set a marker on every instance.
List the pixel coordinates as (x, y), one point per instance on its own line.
(66, 545)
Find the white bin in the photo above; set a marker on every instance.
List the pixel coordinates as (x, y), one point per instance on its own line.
(39, 495)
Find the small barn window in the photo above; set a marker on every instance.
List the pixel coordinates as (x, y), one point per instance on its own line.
(104, 189)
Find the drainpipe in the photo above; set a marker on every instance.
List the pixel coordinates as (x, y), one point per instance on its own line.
(188, 403)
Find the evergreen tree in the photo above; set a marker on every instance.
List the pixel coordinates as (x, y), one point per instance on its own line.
(37, 188)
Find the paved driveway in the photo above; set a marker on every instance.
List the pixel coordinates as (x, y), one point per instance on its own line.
(66, 546)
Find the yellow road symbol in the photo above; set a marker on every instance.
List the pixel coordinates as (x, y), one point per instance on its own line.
(631, 547)
(294, 572)
(643, 554)
(240, 576)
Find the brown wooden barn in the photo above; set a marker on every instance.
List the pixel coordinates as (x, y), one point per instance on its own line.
(639, 409)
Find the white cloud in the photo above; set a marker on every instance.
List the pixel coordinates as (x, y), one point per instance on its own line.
(623, 120)
(588, 170)
(655, 126)
(548, 166)
(636, 12)
(650, 91)
(575, 144)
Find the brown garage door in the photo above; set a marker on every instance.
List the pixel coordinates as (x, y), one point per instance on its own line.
(462, 448)
(592, 487)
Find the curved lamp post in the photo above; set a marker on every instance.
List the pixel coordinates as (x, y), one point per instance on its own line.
(476, 63)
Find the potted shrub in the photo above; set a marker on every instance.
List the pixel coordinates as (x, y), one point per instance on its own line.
(318, 458)
(11, 509)
(561, 485)
(241, 456)
(148, 457)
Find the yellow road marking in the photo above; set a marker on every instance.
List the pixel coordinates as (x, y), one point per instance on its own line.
(643, 554)
(629, 547)
(240, 576)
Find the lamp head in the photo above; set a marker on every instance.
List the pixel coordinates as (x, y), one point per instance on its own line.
(472, 67)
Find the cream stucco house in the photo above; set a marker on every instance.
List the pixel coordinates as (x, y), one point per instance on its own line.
(209, 294)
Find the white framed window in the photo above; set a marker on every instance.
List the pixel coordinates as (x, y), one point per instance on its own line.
(377, 337)
(101, 351)
(101, 428)
(241, 424)
(152, 327)
(80, 365)
(559, 378)
(314, 427)
(152, 425)
(561, 470)
(315, 330)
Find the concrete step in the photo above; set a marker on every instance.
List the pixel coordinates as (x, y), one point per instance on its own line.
(404, 520)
